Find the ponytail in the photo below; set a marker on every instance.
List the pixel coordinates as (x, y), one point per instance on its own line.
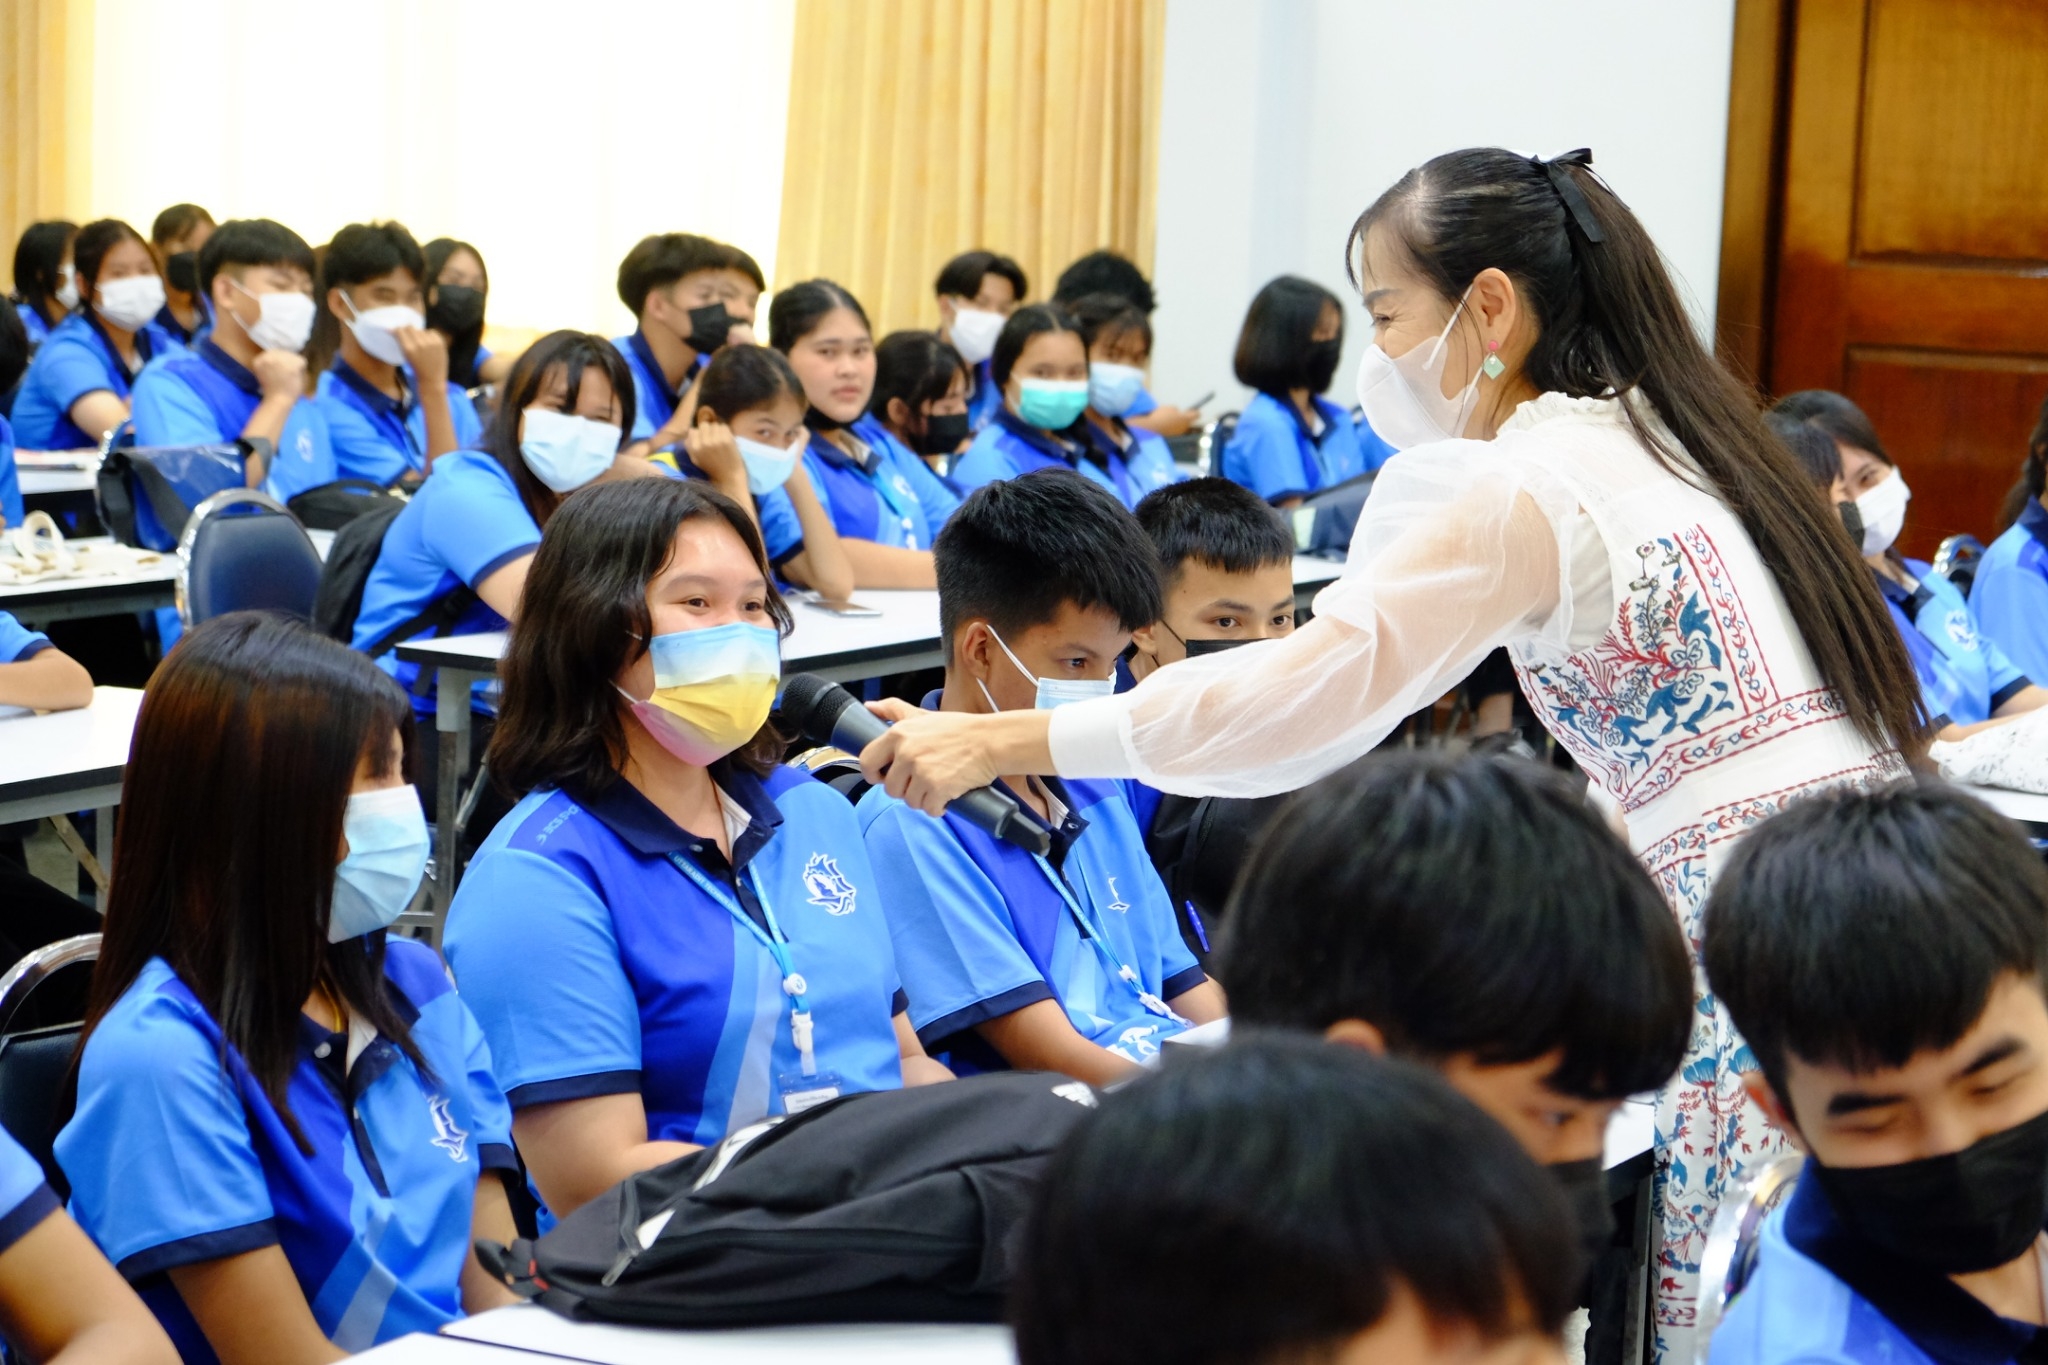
(2033, 473)
(1610, 323)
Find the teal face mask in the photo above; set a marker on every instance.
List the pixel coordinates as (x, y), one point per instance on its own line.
(1051, 404)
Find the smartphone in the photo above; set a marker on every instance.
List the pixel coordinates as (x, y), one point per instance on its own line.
(841, 608)
(1201, 402)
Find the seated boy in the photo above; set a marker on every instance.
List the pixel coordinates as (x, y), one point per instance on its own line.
(1883, 955)
(1068, 962)
(691, 295)
(1106, 272)
(1234, 1207)
(244, 382)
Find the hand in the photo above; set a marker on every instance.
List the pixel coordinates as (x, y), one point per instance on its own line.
(742, 334)
(712, 449)
(426, 350)
(280, 374)
(930, 757)
(1168, 420)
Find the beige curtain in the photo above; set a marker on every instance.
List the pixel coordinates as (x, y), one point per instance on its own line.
(45, 113)
(923, 128)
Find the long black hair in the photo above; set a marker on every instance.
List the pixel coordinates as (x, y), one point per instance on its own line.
(464, 341)
(1610, 323)
(573, 353)
(38, 257)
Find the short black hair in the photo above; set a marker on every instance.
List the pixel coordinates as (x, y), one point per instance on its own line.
(1836, 415)
(1105, 272)
(89, 252)
(14, 351)
(253, 242)
(1813, 448)
(801, 307)
(1109, 315)
(1018, 549)
(1215, 522)
(1462, 906)
(362, 252)
(38, 256)
(918, 367)
(1858, 928)
(962, 275)
(742, 378)
(1270, 1199)
(1024, 324)
(660, 260)
(1274, 347)
(175, 221)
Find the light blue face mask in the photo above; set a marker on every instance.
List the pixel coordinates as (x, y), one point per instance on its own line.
(1053, 693)
(768, 467)
(387, 855)
(1113, 388)
(564, 451)
(1051, 404)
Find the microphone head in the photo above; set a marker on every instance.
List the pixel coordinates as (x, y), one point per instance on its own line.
(814, 704)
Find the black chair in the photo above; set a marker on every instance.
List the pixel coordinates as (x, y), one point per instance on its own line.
(242, 550)
(1215, 436)
(1956, 560)
(34, 1062)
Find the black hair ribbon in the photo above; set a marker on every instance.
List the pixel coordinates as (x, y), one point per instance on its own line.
(1568, 190)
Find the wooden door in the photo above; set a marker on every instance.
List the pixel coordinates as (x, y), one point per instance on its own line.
(1912, 248)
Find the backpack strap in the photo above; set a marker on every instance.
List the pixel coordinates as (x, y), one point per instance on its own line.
(439, 614)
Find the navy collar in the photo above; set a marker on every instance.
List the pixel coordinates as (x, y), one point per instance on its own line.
(2034, 517)
(1911, 602)
(168, 320)
(832, 455)
(1082, 445)
(143, 348)
(236, 372)
(379, 401)
(638, 345)
(640, 824)
(1945, 1321)
(1063, 835)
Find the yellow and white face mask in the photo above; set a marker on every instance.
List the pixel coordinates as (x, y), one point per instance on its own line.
(713, 689)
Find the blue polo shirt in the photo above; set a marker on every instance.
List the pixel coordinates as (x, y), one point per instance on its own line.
(75, 360)
(380, 438)
(25, 1197)
(1146, 459)
(982, 931)
(1964, 675)
(892, 497)
(1820, 1295)
(204, 396)
(984, 400)
(11, 506)
(464, 524)
(654, 401)
(177, 331)
(32, 323)
(2009, 596)
(782, 535)
(176, 1155)
(17, 642)
(1006, 448)
(1273, 454)
(652, 983)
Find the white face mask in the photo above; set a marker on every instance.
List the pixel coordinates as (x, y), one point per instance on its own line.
(565, 452)
(974, 332)
(375, 331)
(284, 321)
(1403, 396)
(130, 302)
(1052, 692)
(387, 855)
(1883, 510)
(67, 287)
(768, 467)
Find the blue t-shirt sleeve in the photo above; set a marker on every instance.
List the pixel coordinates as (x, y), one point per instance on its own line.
(486, 1100)
(305, 454)
(577, 1033)
(937, 498)
(71, 369)
(1142, 404)
(2007, 678)
(25, 1198)
(169, 412)
(482, 530)
(11, 506)
(982, 464)
(1262, 454)
(2010, 603)
(781, 533)
(18, 642)
(469, 428)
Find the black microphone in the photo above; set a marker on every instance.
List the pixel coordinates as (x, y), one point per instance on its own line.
(827, 713)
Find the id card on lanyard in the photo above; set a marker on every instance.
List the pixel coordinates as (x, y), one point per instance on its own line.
(882, 479)
(1116, 966)
(808, 1086)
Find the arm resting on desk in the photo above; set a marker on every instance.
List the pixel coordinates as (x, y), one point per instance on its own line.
(48, 680)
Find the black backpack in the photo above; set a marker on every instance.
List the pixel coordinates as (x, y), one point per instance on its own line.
(342, 578)
(334, 505)
(891, 1206)
(1198, 844)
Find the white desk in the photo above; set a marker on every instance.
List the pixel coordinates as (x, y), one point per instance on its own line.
(529, 1328)
(2029, 809)
(51, 482)
(69, 760)
(143, 589)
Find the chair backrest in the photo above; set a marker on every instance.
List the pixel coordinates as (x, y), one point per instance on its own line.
(1732, 1239)
(1215, 436)
(25, 976)
(1957, 558)
(242, 550)
(33, 1063)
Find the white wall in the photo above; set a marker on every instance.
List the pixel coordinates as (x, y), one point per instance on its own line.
(1282, 120)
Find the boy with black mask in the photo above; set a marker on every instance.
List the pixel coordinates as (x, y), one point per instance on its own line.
(1883, 954)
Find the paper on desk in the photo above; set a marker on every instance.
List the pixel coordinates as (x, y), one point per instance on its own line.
(533, 1328)
(2013, 756)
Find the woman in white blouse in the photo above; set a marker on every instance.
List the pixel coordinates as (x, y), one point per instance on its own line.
(1582, 482)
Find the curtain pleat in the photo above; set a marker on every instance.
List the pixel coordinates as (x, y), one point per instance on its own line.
(45, 112)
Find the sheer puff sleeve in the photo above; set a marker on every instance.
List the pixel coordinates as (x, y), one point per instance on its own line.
(1461, 548)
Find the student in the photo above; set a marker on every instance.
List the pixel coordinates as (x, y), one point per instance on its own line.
(287, 1136)
(1967, 683)
(691, 295)
(244, 383)
(45, 279)
(2009, 595)
(1235, 1206)
(458, 287)
(977, 292)
(886, 503)
(921, 396)
(716, 942)
(1106, 272)
(34, 676)
(13, 364)
(177, 235)
(1069, 962)
(1119, 341)
(76, 389)
(1883, 954)
(1290, 441)
(391, 409)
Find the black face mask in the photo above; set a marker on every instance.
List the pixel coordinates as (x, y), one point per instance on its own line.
(819, 422)
(709, 327)
(1955, 1214)
(942, 434)
(1197, 648)
(1322, 363)
(456, 309)
(1585, 1189)
(181, 271)
(1852, 521)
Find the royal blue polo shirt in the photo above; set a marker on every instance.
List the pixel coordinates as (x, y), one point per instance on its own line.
(464, 524)
(17, 642)
(1006, 448)
(377, 437)
(652, 983)
(1273, 453)
(984, 400)
(32, 323)
(654, 399)
(1964, 676)
(891, 497)
(178, 331)
(11, 506)
(1147, 459)
(76, 359)
(25, 1197)
(1820, 1295)
(782, 535)
(176, 1155)
(2009, 595)
(982, 931)
(204, 396)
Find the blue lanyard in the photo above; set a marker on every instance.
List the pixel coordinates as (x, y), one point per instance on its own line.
(879, 479)
(777, 943)
(1108, 954)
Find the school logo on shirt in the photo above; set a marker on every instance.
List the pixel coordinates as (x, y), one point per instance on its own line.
(447, 1136)
(1139, 1043)
(829, 890)
(1116, 902)
(1959, 630)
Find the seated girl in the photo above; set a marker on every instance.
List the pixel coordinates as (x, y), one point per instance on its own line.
(714, 941)
(1119, 340)
(921, 396)
(287, 1135)
(77, 386)
(887, 504)
(2009, 595)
